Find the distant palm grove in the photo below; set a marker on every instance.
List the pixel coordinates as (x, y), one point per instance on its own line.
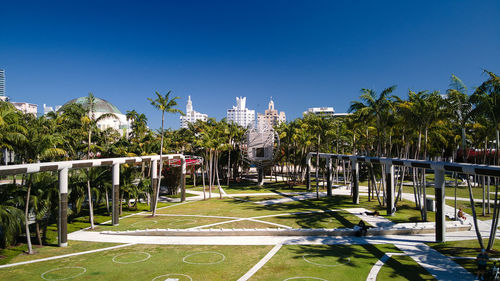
(461, 125)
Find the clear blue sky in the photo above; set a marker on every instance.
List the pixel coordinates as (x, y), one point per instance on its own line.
(302, 53)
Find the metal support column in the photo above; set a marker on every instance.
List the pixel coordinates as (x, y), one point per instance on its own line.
(440, 196)
(183, 179)
(389, 181)
(62, 225)
(116, 194)
(355, 180)
(329, 176)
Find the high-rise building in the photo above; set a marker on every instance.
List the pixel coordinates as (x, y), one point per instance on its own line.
(2, 85)
(271, 117)
(241, 115)
(322, 111)
(191, 115)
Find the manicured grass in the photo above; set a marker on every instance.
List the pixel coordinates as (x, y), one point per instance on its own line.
(466, 207)
(100, 217)
(338, 219)
(50, 251)
(242, 224)
(462, 192)
(336, 262)
(466, 248)
(78, 223)
(251, 187)
(6, 255)
(148, 222)
(406, 211)
(179, 195)
(164, 260)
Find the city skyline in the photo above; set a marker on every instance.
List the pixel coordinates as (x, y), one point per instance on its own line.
(303, 55)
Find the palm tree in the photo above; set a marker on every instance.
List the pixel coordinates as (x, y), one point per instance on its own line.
(375, 107)
(461, 108)
(486, 99)
(91, 123)
(164, 104)
(12, 131)
(318, 126)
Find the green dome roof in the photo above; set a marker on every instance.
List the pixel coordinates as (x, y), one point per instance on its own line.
(100, 105)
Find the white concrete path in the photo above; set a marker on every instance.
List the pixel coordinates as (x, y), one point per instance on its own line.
(437, 264)
(372, 276)
(377, 221)
(261, 263)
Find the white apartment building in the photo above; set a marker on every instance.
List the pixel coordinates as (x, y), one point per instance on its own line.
(191, 115)
(26, 108)
(241, 115)
(271, 117)
(323, 111)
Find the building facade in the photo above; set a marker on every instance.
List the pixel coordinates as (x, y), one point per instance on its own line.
(271, 117)
(241, 115)
(322, 111)
(119, 122)
(26, 108)
(191, 115)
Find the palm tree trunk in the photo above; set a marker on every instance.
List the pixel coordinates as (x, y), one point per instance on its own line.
(26, 217)
(107, 200)
(89, 193)
(91, 209)
(229, 163)
(494, 223)
(474, 216)
(157, 191)
(38, 236)
(217, 173)
(317, 168)
(210, 174)
(203, 180)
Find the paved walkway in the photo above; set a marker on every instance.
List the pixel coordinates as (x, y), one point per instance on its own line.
(377, 221)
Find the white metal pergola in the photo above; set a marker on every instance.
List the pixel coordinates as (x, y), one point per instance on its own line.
(439, 178)
(63, 167)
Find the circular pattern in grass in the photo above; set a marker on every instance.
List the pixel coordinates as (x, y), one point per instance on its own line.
(204, 258)
(63, 273)
(305, 278)
(143, 223)
(339, 262)
(173, 276)
(132, 257)
(183, 221)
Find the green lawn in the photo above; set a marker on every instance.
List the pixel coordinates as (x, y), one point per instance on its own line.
(176, 261)
(467, 248)
(146, 262)
(466, 207)
(338, 219)
(148, 222)
(50, 251)
(338, 262)
(251, 187)
(462, 192)
(236, 208)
